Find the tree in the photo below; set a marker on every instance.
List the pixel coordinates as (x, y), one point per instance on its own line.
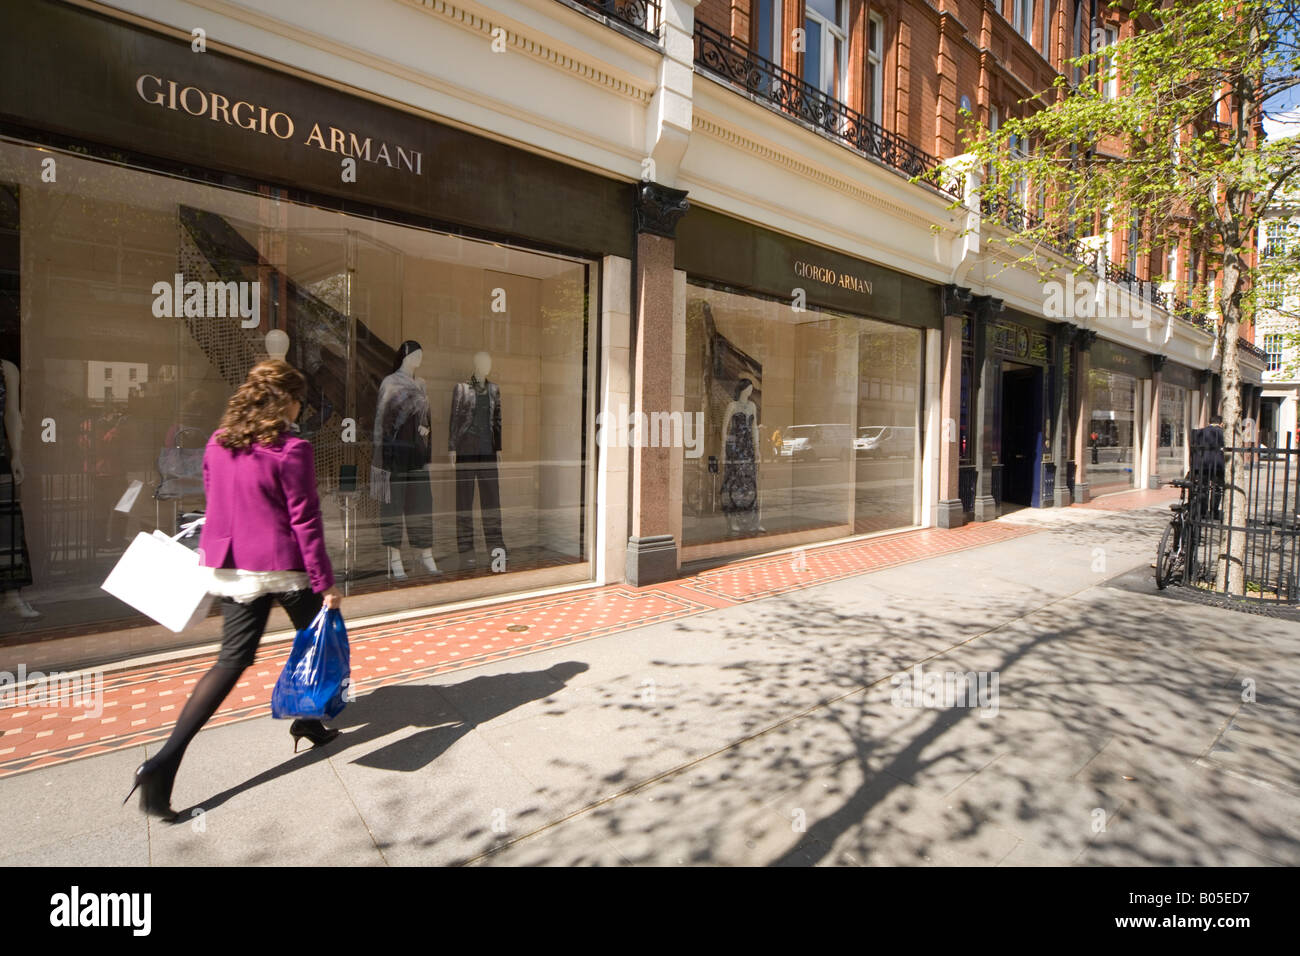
(1164, 131)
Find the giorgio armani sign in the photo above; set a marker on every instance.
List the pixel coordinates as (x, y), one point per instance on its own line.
(73, 76)
(259, 119)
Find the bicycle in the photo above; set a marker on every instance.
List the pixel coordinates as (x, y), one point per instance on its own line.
(1176, 557)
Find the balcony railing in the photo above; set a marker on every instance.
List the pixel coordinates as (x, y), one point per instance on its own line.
(1017, 218)
(735, 63)
(640, 15)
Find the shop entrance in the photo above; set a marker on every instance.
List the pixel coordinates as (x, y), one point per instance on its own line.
(1022, 434)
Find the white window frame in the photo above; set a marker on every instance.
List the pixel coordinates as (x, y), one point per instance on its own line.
(1273, 364)
(876, 68)
(1110, 84)
(1022, 18)
(832, 33)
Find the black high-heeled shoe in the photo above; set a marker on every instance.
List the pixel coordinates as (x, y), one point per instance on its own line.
(313, 730)
(155, 789)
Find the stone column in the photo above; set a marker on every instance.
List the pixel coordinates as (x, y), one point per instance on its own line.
(652, 550)
(1209, 401)
(1061, 449)
(984, 406)
(956, 304)
(1083, 340)
(1152, 453)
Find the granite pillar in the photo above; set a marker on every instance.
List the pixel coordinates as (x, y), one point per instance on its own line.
(652, 550)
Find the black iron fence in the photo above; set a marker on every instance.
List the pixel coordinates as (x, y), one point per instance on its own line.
(737, 64)
(1242, 521)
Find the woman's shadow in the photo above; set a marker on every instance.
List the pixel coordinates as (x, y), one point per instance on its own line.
(447, 711)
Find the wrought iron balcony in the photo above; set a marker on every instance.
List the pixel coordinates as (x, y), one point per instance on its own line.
(640, 15)
(1008, 212)
(724, 57)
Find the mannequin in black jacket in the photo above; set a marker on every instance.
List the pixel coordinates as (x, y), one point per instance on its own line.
(474, 448)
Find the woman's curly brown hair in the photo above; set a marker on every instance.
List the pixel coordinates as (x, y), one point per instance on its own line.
(258, 409)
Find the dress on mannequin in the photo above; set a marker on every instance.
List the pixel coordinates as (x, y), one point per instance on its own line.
(474, 438)
(740, 469)
(15, 562)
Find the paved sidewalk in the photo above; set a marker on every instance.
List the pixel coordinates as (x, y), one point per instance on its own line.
(766, 729)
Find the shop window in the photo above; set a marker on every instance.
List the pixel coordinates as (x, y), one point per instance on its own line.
(809, 424)
(503, 334)
(1112, 432)
(1171, 441)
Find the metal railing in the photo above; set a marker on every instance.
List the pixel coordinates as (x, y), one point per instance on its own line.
(641, 15)
(737, 64)
(1261, 521)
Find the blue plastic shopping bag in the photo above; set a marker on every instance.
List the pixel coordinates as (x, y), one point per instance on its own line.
(316, 677)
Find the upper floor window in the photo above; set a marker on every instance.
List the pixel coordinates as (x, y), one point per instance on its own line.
(767, 30)
(825, 63)
(1271, 291)
(1076, 40)
(1274, 238)
(1273, 349)
(1110, 76)
(1047, 29)
(876, 67)
(1022, 18)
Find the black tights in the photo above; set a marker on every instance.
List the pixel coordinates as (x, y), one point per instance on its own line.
(242, 629)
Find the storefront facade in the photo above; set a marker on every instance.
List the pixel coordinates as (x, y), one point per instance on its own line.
(805, 370)
(177, 217)
(690, 355)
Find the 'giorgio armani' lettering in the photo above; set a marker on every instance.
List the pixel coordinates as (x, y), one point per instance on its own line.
(264, 121)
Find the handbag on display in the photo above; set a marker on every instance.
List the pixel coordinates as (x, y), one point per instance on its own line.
(316, 681)
(160, 577)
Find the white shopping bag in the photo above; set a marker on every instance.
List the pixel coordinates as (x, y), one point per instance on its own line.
(160, 577)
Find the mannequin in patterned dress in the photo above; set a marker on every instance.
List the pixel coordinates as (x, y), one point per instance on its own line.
(740, 462)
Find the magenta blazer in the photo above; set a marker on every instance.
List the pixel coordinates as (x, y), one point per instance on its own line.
(263, 513)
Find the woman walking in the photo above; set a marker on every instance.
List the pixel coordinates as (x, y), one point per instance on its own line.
(263, 539)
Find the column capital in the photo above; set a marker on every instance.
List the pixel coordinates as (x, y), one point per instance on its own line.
(658, 208)
(986, 308)
(956, 300)
(1084, 338)
(1157, 363)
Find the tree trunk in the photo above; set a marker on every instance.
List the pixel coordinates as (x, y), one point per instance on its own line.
(1230, 576)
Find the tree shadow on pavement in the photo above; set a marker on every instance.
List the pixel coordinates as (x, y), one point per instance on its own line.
(443, 713)
(1101, 751)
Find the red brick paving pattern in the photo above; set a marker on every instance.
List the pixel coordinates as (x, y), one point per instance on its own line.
(141, 704)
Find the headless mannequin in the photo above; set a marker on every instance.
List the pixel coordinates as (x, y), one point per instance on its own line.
(482, 368)
(13, 425)
(747, 408)
(395, 568)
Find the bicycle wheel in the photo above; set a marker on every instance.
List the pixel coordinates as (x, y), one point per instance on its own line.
(1166, 557)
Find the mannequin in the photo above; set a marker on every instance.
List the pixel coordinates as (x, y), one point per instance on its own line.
(739, 460)
(401, 444)
(474, 449)
(15, 564)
